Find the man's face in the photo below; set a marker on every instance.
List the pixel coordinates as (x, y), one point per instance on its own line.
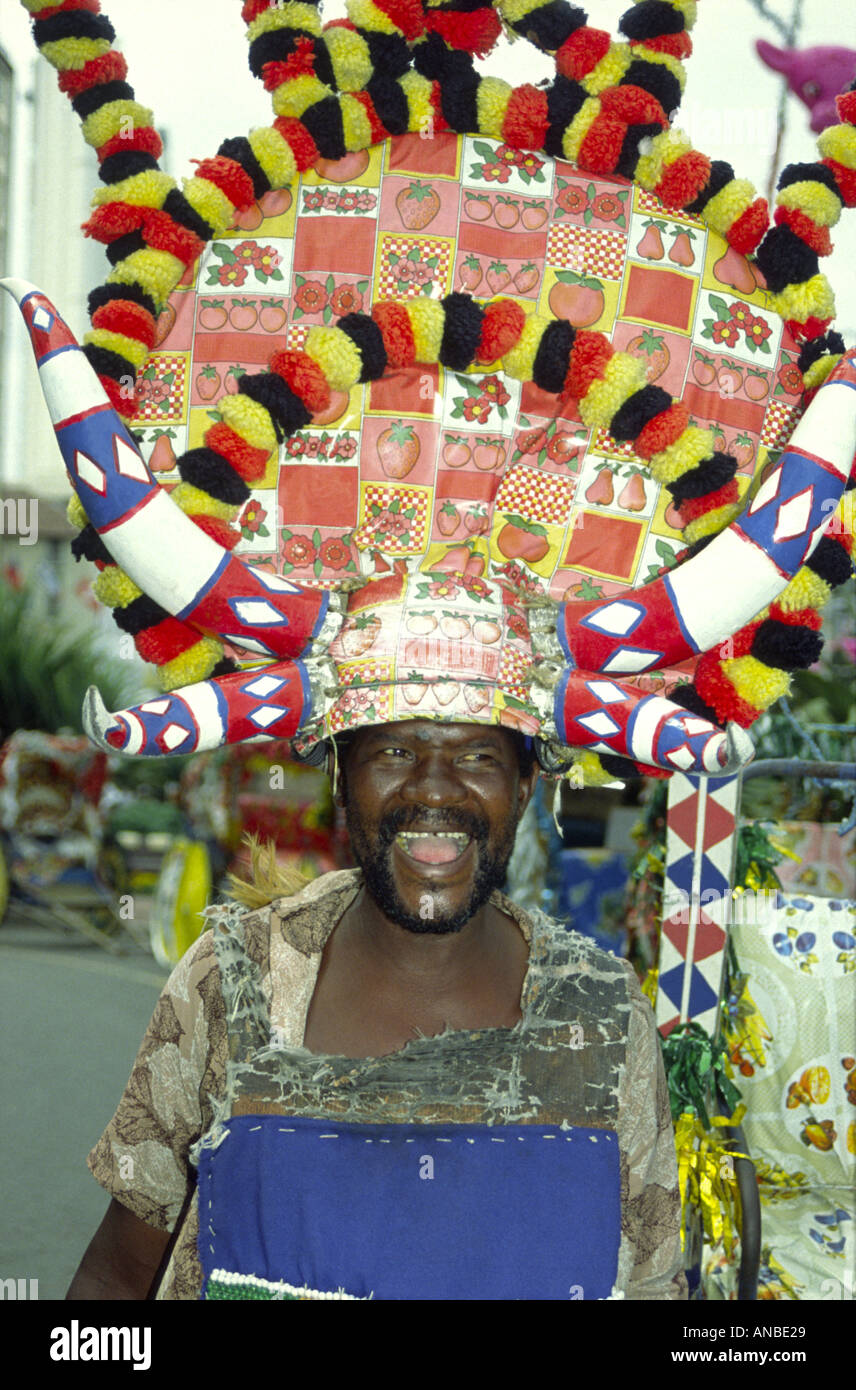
(432, 810)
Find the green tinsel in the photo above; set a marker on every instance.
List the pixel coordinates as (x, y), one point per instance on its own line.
(694, 1064)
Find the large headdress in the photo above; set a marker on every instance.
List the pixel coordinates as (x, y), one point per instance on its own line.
(489, 398)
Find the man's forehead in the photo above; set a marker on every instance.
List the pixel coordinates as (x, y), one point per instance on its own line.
(437, 733)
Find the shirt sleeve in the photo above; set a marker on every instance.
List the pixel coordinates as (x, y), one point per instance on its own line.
(650, 1261)
(141, 1158)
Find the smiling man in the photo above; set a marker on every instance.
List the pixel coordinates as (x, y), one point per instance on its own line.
(395, 1083)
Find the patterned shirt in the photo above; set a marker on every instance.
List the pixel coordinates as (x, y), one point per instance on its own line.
(585, 1052)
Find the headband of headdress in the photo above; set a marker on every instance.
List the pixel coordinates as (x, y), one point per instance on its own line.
(507, 626)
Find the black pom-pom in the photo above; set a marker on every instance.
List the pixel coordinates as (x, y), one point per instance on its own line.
(459, 104)
(831, 562)
(388, 53)
(688, 698)
(564, 100)
(721, 173)
(181, 212)
(650, 19)
(629, 156)
(462, 328)
(139, 614)
(788, 647)
(432, 59)
(390, 103)
(240, 149)
(324, 123)
(104, 362)
(106, 294)
(655, 79)
(784, 259)
(72, 24)
(636, 412)
(278, 44)
(225, 666)
(550, 367)
(622, 769)
(710, 476)
(209, 471)
(287, 411)
(88, 545)
(805, 173)
(88, 101)
(550, 25)
(812, 351)
(124, 165)
(123, 246)
(368, 339)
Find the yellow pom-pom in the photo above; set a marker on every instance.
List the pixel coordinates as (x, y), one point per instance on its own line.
(722, 210)
(249, 419)
(805, 590)
(291, 16)
(115, 118)
(145, 190)
(816, 374)
(519, 363)
(356, 126)
(130, 348)
(579, 128)
(686, 453)
(610, 70)
(114, 589)
(492, 99)
(756, 683)
(427, 322)
(297, 95)
(711, 523)
(819, 202)
(75, 513)
(623, 375)
(337, 355)
(417, 93)
(665, 149)
(196, 664)
(70, 55)
(350, 57)
(589, 770)
(274, 155)
(512, 11)
(838, 142)
(643, 54)
(367, 16)
(812, 299)
(192, 500)
(210, 202)
(157, 271)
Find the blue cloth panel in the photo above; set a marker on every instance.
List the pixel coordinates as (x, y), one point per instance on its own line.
(414, 1211)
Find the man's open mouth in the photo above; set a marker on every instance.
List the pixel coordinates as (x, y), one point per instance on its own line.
(431, 847)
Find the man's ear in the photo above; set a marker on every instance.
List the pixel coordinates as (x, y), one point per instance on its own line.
(526, 789)
(335, 774)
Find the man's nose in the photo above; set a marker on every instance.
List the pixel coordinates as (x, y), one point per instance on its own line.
(434, 780)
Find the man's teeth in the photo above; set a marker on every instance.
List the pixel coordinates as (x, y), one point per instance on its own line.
(458, 837)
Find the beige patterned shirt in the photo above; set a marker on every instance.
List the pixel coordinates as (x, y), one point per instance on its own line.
(180, 1083)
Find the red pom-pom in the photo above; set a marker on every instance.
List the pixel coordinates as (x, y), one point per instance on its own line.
(113, 220)
(746, 231)
(633, 105)
(804, 332)
(299, 141)
(436, 100)
(845, 104)
(601, 148)
(694, 507)
(299, 63)
(475, 32)
(108, 67)
(801, 617)
(502, 325)
(143, 137)
(126, 317)
(662, 431)
(162, 233)
(165, 641)
(716, 690)
(589, 356)
(582, 52)
(845, 179)
(378, 129)
(68, 6)
(526, 122)
(227, 175)
(397, 333)
(683, 179)
(302, 376)
(219, 530)
(247, 461)
(809, 231)
(678, 46)
(251, 9)
(407, 15)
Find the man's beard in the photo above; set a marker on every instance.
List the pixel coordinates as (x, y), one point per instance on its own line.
(374, 860)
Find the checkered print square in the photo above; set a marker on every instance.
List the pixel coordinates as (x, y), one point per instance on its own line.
(409, 531)
(390, 277)
(162, 400)
(541, 497)
(513, 670)
(587, 250)
(604, 443)
(779, 424)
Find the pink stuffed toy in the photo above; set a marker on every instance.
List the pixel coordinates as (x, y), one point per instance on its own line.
(816, 75)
